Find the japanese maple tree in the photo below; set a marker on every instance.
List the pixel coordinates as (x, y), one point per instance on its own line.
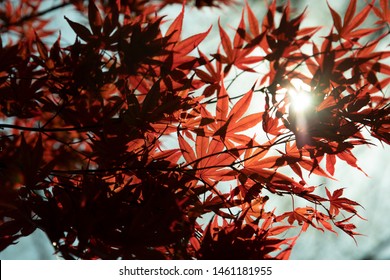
(123, 143)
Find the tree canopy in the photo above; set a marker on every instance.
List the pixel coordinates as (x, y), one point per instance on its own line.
(119, 145)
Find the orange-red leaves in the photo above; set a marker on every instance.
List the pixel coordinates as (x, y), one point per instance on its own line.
(241, 106)
(187, 45)
(357, 19)
(338, 203)
(174, 30)
(211, 161)
(212, 78)
(329, 101)
(229, 125)
(144, 132)
(30, 159)
(349, 158)
(350, 12)
(347, 227)
(253, 22)
(330, 163)
(279, 229)
(80, 30)
(181, 48)
(226, 44)
(240, 33)
(271, 125)
(95, 19)
(347, 28)
(313, 167)
(186, 149)
(222, 106)
(268, 21)
(336, 19)
(383, 13)
(238, 53)
(302, 215)
(42, 50)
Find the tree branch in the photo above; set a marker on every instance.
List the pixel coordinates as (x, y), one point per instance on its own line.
(34, 15)
(41, 129)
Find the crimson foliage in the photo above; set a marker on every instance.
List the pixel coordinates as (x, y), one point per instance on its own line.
(84, 129)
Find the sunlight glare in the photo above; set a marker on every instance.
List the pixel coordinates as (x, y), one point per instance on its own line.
(300, 96)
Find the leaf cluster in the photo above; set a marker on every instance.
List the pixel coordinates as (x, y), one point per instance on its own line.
(120, 145)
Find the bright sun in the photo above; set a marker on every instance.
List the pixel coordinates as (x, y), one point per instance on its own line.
(300, 96)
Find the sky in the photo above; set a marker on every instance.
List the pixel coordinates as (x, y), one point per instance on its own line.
(372, 192)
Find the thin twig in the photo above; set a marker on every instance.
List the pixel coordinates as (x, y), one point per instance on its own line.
(34, 15)
(42, 129)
